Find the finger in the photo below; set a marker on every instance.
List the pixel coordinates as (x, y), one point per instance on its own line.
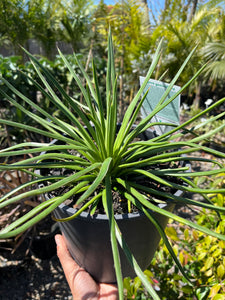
(108, 291)
(70, 267)
(81, 283)
(67, 262)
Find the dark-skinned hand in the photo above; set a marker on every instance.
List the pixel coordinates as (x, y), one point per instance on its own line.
(82, 285)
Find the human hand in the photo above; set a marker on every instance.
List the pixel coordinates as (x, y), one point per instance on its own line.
(82, 285)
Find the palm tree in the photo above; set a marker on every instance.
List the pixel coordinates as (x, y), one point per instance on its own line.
(215, 53)
(76, 22)
(214, 50)
(45, 18)
(181, 36)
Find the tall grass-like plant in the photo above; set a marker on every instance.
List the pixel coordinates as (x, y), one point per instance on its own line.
(109, 159)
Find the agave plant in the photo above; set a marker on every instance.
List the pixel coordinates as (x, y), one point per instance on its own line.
(108, 158)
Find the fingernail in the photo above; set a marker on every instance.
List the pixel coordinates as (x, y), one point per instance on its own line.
(57, 239)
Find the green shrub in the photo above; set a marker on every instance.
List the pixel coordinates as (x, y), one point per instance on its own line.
(16, 74)
(203, 257)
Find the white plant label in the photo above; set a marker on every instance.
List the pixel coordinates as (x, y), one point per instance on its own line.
(170, 113)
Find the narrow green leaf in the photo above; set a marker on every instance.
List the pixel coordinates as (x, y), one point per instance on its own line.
(98, 99)
(126, 126)
(39, 131)
(107, 203)
(53, 186)
(144, 124)
(191, 120)
(178, 186)
(80, 210)
(99, 178)
(175, 172)
(163, 212)
(30, 219)
(102, 174)
(161, 232)
(134, 264)
(27, 184)
(51, 79)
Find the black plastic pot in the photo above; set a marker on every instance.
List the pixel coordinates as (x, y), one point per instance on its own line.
(88, 240)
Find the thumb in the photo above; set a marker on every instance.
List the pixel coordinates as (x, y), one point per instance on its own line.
(67, 262)
(81, 283)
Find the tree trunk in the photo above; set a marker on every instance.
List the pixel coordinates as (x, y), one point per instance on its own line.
(193, 9)
(196, 102)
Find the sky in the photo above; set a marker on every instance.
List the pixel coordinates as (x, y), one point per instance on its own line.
(156, 5)
(108, 1)
(113, 1)
(105, 1)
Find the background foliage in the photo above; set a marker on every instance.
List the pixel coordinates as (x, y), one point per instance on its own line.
(203, 257)
(137, 27)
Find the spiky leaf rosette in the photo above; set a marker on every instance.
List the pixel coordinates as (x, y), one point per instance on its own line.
(101, 158)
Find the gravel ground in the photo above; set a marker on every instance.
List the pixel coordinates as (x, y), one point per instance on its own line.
(23, 276)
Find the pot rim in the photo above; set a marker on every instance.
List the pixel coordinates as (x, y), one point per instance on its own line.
(71, 211)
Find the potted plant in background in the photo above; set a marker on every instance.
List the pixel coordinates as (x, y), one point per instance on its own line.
(122, 171)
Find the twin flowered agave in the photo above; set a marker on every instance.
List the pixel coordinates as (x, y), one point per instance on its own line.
(110, 158)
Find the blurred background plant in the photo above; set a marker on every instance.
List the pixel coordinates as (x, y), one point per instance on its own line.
(202, 256)
(81, 25)
(16, 73)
